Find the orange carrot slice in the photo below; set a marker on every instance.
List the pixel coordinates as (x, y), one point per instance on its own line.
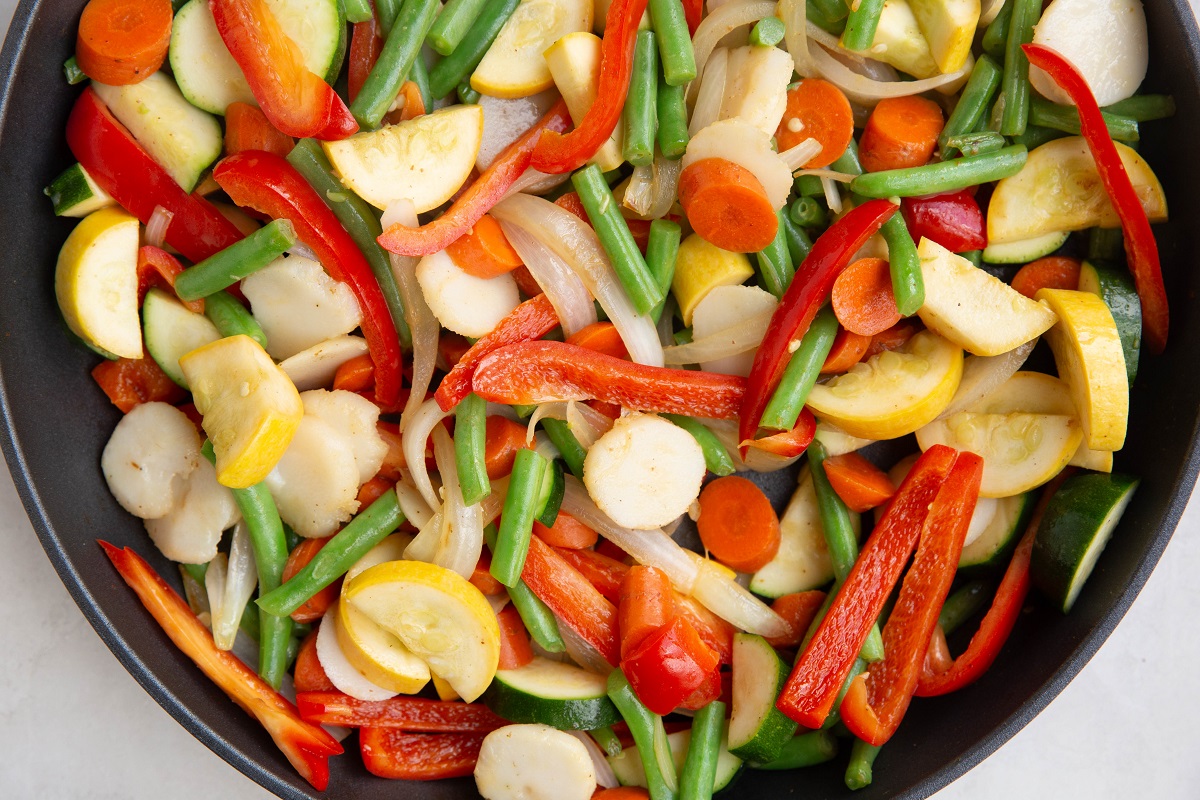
(123, 41)
(727, 205)
(1051, 272)
(862, 297)
(901, 132)
(484, 250)
(816, 109)
(737, 523)
(247, 128)
(861, 485)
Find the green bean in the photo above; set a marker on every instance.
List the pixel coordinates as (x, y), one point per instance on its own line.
(946, 176)
(809, 186)
(348, 545)
(616, 239)
(995, 38)
(640, 114)
(196, 572)
(452, 24)
(516, 522)
(270, 556)
(1106, 244)
(459, 65)
(775, 267)
(568, 446)
(674, 41)
(1016, 66)
(72, 71)
(662, 249)
(700, 767)
(908, 282)
(608, 741)
(963, 604)
(799, 243)
(402, 48)
(359, 220)
(716, 457)
(861, 25)
(642, 723)
(1035, 136)
(683, 336)
(848, 161)
(419, 75)
(801, 373)
(974, 256)
(672, 120)
(385, 17)
(973, 103)
(858, 771)
(805, 750)
(767, 32)
(538, 618)
(808, 212)
(832, 10)
(524, 411)
(1066, 118)
(358, 10)
(470, 440)
(839, 536)
(972, 144)
(830, 24)
(1144, 107)
(466, 94)
(291, 537)
(242, 258)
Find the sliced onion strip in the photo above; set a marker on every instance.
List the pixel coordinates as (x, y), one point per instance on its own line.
(426, 417)
(156, 234)
(796, 157)
(737, 338)
(566, 292)
(459, 549)
(720, 23)
(867, 91)
(982, 375)
(711, 92)
(605, 777)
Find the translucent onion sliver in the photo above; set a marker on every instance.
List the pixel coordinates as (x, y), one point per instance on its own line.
(711, 92)
(726, 19)
(156, 232)
(566, 292)
(737, 338)
(424, 325)
(984, 374)
(605, 777)
(460, 546)
(424, 420)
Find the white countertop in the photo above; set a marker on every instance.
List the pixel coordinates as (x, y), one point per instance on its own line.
(74, 724)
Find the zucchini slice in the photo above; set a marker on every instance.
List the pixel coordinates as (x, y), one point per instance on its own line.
(554, 693)
(757, 729)
(75, 194)
(1078, 522)
(554, 486)
(627, 765)
(993, 546)
(1115, 287)
(170, 330)
(1025, 250)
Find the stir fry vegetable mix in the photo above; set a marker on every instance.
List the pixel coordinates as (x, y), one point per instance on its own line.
(438, 368)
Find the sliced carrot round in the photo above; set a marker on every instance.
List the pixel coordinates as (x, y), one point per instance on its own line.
(646, 604)
(502, 440)
(848, 349)
(737, 523)
(1051, 272)
(247, 128)
(123, 41)
(798, 611)
(602, 337)
(727, 205)
(894, 337)
(901, 132)
(355, 375)
(566, 532)
(816, 109)
(862, 297)
(484, 250)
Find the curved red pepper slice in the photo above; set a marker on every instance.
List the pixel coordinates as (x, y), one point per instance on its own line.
(296, 101)
(557, 152)
(937, 677)
(789, 444)
(135, 180)
(878, 699)
(545, 372)
(307, 746)
(533, 319)
(669, 665)
(157, 267)
(413, 714)
(952, 220)
(1141, 249)
(808, 291)
(267, 183)
(819, 672)
(478, 198)
(399, 755)
(693, 11)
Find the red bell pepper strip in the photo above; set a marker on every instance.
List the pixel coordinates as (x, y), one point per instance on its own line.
(822, 668)
(306, 746)
(831, 253)
(399, 755)
(716, 685)
(555, 152)
(1141, 249)
(268, 183)
(515, 650)
(693, 11)
(543, 372)
(309, 675)
(413, 714)
(129, 382)
(573, 599)
(669, 665)
(135, 180)
(716, 632)
(605, 573)
(531, 320)
(297, 102)
(788, 444)
(478, 198)
(938, 677)
(952, 220)
(878, 699)
(157, 267)
(365, 47)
